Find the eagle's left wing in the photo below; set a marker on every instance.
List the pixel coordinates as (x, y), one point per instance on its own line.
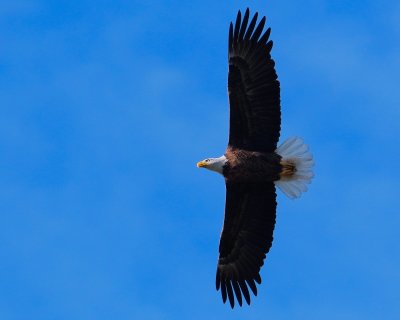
(254, 93)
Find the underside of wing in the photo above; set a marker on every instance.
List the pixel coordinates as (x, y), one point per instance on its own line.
(246, 238)
(254, 92)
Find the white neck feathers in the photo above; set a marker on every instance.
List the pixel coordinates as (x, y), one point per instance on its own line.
(217, 164)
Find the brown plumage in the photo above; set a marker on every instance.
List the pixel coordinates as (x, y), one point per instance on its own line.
(245, 166)
(252, 165)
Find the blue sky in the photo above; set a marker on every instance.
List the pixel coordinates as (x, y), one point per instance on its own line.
(107, 106)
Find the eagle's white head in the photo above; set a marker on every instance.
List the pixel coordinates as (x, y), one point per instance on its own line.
(214, 164)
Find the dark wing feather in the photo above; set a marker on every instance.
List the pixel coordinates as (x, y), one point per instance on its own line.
(254, 93)
(246, 238)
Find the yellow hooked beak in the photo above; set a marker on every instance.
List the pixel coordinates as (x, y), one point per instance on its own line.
(201, 164)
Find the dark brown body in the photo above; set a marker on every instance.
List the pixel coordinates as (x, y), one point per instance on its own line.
(254, 124)
(251, 166)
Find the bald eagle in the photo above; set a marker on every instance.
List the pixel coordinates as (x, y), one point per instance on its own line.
(252, 164)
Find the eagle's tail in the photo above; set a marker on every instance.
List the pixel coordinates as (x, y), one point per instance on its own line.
(297, 163)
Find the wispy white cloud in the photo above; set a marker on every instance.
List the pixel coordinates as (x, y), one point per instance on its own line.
(18, 8)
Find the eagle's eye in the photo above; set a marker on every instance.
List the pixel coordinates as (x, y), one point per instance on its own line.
(207, 160)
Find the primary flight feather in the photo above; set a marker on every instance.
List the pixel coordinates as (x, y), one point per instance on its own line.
(252, 164)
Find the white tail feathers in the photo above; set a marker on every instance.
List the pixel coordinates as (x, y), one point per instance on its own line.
(295, 151)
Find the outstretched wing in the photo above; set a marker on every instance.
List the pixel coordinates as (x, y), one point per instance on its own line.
(246, 238)
(254, 93)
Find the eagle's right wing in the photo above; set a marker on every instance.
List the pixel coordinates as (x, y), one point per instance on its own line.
(246, 238)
